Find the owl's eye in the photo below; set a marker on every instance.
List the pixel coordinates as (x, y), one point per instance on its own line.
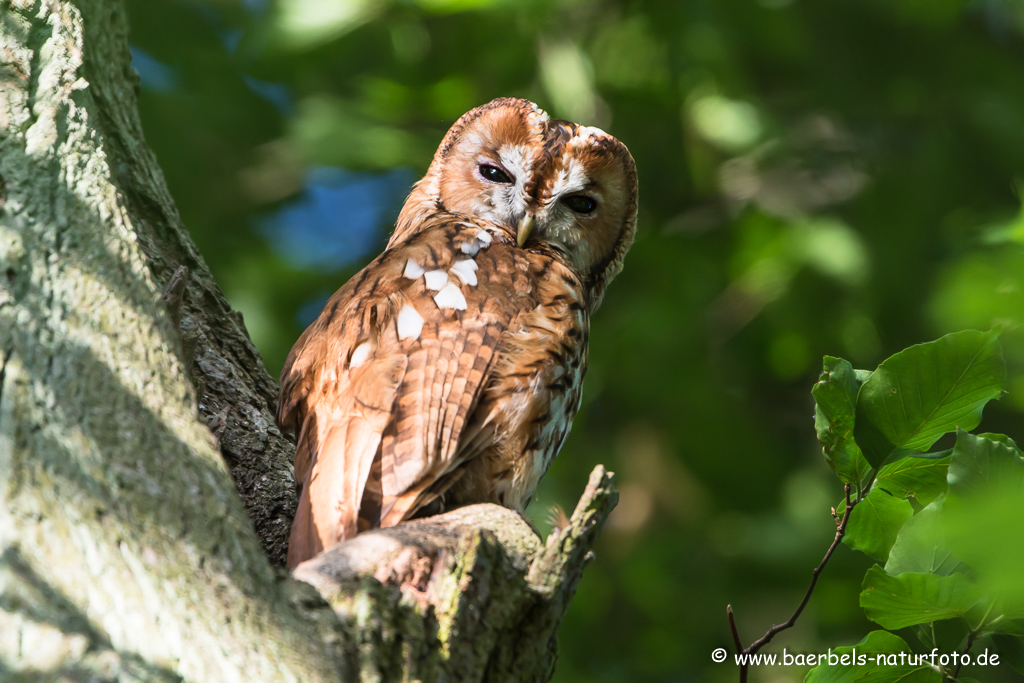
(494, 174)
(580, 203)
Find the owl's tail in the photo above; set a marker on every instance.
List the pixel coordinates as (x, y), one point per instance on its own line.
(338, 446)
(333, 486)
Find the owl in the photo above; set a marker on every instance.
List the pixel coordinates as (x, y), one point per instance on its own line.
(448, 371)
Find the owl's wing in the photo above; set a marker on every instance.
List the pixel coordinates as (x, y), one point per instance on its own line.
(381, 386)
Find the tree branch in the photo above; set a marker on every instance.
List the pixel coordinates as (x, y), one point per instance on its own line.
(960, 664)
(735, 631)
(789, 623)
(474, 593)
(134, 410)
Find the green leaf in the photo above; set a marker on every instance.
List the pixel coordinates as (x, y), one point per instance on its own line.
(920, 545)
(1011, 650)
(1001, 438)
(896, 602)
(928, 390)
(835, 403)
(1006, 627)
(981, 516)
(922, 478)
(858, 668)
(983, 462)
(946, 635)
(875, 523)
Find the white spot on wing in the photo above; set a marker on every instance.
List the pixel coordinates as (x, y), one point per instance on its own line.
(410, 323)
(360, 355)
(584, 135)
(450, 297)
(537, 116)
(466, 270)
(413, 269)
(470, 248)
(483, 237)
(436, 279)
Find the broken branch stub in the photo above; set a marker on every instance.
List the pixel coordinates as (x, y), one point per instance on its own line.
(469, 595)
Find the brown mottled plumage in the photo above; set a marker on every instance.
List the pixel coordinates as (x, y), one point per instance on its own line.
(448, 371)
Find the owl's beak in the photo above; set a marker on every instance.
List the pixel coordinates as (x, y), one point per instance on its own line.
(524, 230)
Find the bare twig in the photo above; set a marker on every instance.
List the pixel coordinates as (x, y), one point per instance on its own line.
(970, 643)
(735, 632)
(778, 628)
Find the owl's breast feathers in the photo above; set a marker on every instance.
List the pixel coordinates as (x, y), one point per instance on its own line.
(447, 371)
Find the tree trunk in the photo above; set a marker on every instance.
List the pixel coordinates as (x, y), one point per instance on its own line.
(145, 494)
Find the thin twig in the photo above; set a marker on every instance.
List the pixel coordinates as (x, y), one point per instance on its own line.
(735, 631)
(970, 639)
(736, 639)
(960, 664)
(778, 628)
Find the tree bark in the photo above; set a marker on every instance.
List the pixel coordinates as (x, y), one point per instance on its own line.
(145, 494)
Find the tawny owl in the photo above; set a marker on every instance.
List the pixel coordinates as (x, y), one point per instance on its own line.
(449, 370)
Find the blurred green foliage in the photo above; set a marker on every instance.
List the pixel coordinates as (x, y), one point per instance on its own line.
(816, 178)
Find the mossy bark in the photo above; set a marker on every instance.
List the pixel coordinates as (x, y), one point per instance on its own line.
(145, 494)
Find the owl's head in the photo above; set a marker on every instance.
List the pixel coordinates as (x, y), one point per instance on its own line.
(547, 181)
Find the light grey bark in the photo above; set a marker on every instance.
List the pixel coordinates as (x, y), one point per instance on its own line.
(125, 547)
(145, 495)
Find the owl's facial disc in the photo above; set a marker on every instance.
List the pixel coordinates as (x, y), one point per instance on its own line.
(546, 181)
(488, 171)
(584, 196)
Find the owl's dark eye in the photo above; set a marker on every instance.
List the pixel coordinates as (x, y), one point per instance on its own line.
(580, 203)
(494, 174)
